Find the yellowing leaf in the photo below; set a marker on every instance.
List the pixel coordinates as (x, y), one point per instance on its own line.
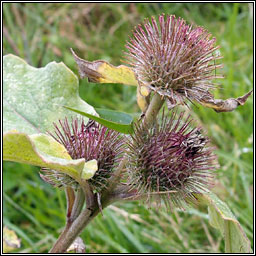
(89, 169)
(45, 143)
(142, 101)
(100, 71)
(224, 105)
(42, 150)
(10, 240)
(144, 90)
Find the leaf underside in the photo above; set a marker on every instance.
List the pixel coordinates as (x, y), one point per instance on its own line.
(223, 219)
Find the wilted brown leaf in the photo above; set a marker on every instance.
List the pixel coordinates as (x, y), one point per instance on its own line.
(100, 71)
(10, 240)
(224, 105)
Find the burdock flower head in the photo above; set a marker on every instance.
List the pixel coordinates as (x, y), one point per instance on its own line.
(170, 160)
(174, 59)
(89, 141)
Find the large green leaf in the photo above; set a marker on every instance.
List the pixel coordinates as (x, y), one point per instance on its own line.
(118, 121)
(33, 100)
(34, 97)
(223, 219)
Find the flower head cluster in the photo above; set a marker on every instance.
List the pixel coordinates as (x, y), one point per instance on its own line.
(89, 141)
(174, 59)
(170, 159)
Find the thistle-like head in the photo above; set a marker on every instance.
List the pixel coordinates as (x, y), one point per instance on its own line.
(89, 141)
(170, 159)
(174, 59)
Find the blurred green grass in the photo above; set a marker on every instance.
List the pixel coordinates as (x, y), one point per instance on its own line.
(44, 32)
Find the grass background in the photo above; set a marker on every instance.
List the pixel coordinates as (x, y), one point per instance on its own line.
(41, 33)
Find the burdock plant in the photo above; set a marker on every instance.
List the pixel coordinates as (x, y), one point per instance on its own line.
(114, 158)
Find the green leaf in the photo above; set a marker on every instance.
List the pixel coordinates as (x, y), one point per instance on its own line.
(118, 121)
(223, 219)
(33, 100)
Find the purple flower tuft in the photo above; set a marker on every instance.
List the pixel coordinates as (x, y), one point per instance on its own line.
(89, 141)
(174, 59)
(170, 160)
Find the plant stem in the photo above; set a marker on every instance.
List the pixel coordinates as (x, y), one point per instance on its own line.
(70, 234)
(153, 109)
(70, 196)
(121, 194)
(92, 208)
(78, 204)
(150, 116)
(90, 198)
